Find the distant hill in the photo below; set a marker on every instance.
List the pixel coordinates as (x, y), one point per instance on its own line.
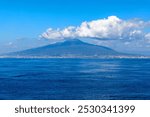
(72, 48)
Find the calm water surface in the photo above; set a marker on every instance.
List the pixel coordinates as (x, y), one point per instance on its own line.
(75, 79)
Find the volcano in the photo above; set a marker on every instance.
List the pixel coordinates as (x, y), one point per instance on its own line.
(73, 48)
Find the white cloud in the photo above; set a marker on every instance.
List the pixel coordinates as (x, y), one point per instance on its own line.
(110, 28)
(59, 34)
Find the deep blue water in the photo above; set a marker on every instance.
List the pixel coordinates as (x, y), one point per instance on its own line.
(75, 79)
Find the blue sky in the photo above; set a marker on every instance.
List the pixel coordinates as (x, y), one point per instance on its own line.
(27, 19)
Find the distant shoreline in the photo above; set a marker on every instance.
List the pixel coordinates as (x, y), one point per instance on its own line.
(72, 57)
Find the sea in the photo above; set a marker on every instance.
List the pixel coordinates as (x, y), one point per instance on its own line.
(74, 79)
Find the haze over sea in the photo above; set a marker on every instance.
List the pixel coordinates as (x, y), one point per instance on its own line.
(74, 79)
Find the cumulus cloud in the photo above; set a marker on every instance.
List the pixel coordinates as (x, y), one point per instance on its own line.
(110, 28)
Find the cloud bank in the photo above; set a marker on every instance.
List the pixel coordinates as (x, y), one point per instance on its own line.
(112, 28)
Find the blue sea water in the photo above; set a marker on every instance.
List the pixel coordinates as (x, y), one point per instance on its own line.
(71, 79)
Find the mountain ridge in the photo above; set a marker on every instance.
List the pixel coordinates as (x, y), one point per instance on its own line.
(72, 48)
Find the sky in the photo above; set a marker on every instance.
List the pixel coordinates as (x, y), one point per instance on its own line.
(24, 22)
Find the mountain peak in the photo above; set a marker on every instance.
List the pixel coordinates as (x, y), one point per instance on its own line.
(73, 41)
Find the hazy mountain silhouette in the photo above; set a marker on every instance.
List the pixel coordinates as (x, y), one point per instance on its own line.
(69, 48)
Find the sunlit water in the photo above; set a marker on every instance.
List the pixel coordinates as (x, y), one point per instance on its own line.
(75, 79)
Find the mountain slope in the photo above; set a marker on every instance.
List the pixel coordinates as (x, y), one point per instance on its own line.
(69, 48)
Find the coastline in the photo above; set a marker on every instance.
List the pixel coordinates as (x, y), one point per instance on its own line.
(76, 57)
